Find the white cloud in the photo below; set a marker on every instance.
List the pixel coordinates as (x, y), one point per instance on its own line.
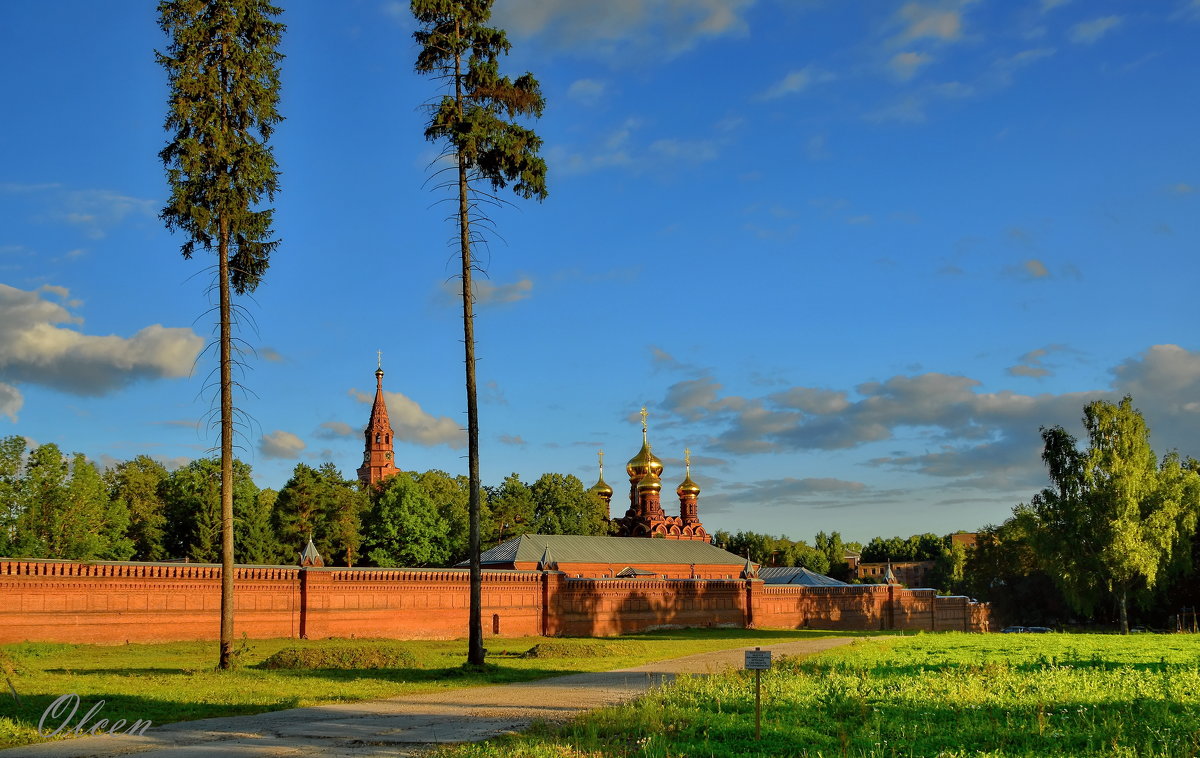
(1049, 5)
(797, 81)
(905, 65)
(686, 151)
(488, 292)
(331, 430)
(587, 91)
(280, 444)
(620, 28)
(941, 21)
(1182, 189)
(39, 345)
(1089, 32)
(270, 354)
(410, 423)
(512, 439)
(1032, 364)
(11, 401)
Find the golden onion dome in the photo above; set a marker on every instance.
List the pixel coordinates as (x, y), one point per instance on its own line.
(687, 487)
(650, 482)
(645, 462)
(601, 488)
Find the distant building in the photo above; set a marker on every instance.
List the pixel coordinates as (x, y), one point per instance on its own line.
(583, 557)
(908, 573)
(966, 539)
(378, 456)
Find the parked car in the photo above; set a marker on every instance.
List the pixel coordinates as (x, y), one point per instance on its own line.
(1012, 629)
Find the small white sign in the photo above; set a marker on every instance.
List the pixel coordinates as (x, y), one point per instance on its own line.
(758, 659)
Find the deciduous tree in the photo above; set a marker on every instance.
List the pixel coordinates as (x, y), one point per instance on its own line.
(137, 484)
(1115, 516)
(474, 122)
(403, 528)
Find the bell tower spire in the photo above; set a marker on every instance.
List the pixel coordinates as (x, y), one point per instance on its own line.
(378, 459)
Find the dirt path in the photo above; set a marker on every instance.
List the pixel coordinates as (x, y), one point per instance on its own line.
(403, 726)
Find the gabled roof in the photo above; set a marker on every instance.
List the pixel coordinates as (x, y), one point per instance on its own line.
(796, 575)
(570, 548)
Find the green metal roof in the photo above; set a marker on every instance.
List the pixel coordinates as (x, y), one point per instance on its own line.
(570, 548)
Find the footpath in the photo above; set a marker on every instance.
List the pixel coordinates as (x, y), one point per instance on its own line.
(402, 726)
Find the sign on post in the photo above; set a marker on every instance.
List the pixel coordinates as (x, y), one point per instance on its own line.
(758, 661)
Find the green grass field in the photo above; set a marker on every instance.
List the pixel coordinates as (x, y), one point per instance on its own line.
(177, 681)
(930, 695)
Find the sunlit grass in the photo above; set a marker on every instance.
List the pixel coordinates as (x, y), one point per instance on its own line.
(930, 695)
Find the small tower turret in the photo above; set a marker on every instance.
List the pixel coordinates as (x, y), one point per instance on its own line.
(689, 494)
(601, 488)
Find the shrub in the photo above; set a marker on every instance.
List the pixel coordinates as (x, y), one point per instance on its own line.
(364, 655)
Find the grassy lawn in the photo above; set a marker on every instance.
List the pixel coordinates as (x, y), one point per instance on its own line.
(177, 682)
(929, 695)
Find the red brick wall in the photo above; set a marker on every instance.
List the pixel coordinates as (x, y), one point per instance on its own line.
(60, 601)
(606, 607)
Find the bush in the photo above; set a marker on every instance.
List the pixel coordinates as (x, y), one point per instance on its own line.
(581, 649)
(365, 655)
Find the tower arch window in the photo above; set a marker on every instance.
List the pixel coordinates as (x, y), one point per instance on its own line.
(378, 438)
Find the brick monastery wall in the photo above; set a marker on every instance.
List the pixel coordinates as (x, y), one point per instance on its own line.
(113, 603)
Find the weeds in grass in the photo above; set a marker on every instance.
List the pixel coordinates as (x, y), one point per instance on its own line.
(932, 695)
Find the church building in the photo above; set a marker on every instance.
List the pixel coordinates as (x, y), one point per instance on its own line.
(645, 516)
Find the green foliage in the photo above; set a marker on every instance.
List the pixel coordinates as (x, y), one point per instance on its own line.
(451, 497)
(774, 551)
(193, 508)
(561, 505)
(1116, 519)
(12, 460)
(512, 510)
(403, 527)
(222, 68)
(360, 655)
(300, 510)
(63, 510)
(138, 485)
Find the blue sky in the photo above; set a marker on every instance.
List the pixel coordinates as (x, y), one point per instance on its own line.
(853, 255)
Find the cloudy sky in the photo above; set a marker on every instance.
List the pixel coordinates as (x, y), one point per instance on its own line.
(853, 255)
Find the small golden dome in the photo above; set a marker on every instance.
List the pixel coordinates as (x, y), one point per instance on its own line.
(650, 482)
(687, 486)
(602, 489)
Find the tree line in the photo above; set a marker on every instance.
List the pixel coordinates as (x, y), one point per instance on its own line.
(61, 506)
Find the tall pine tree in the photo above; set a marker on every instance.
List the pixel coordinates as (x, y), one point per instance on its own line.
(222, 66)
(473, 121)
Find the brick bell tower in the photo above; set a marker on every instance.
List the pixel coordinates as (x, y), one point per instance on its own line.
(378, 459)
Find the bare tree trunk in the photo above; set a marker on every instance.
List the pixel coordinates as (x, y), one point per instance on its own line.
(226, 659)
(475, 652)
(1122, 602)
